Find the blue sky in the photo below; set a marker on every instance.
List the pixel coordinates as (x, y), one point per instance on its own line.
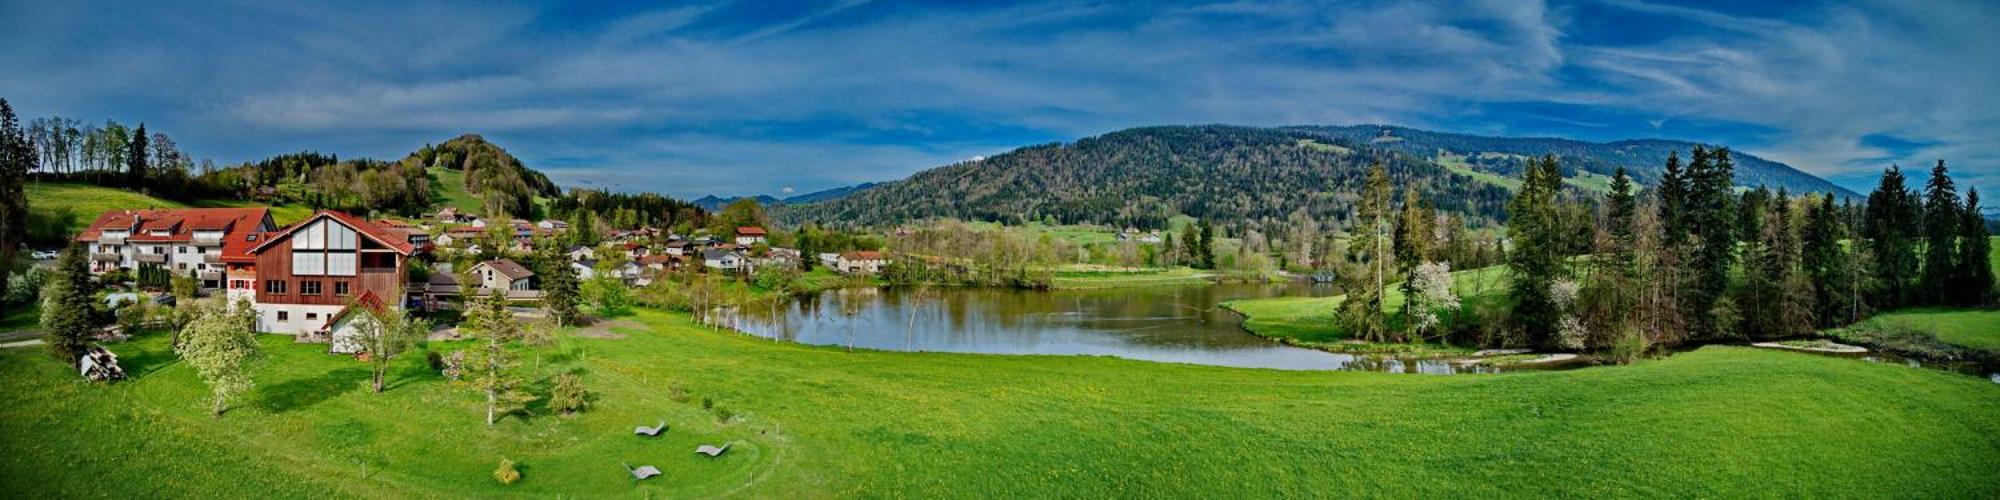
(741, 98)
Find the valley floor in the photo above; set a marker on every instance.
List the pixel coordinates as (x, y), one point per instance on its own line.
(820, 422)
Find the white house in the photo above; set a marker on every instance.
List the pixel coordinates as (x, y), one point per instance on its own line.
(503, 274)
(861, 262)
(727, 260)
(749, 235)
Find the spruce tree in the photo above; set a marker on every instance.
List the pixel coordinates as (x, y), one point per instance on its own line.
(1942, 225)
(135, 159)
(1974, 248)
(1893, 213)
(17, 158)
(1823, 261)
(1673, 192)
(1536, 260)
(1707, 213)
(1368, 260)
(68, 319)
(561, 290)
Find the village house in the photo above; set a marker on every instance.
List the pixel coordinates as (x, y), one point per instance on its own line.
(678, 248)
(578, 253)
(635, 251)
(552, 225)
(459, 236)
(780, 257)
(450, 216)
(724, 259)
(749, 235)
(187, 241)
(308, 274)
(506, 275)
(861, 262)
(584, 268)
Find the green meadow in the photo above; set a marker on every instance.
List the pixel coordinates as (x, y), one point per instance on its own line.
(810, 421)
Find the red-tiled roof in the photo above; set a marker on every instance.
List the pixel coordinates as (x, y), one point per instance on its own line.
(749, 231)
(236, 223)
(862, 255)
(367, 299)
(395, 241)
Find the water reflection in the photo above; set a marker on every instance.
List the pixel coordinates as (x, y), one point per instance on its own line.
(1168, 324)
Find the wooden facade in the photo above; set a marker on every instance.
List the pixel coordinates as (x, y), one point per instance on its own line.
(375, 267)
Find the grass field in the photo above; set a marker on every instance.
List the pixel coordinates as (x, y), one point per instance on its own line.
(448, 190)
(819, 422)
(1974, 328)
(1309, 321)
(83, 202)
(22, 317)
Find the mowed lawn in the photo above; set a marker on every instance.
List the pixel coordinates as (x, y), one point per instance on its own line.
(820, 422)
(1310, 320)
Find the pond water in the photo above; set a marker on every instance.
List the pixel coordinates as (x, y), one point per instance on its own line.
(1177, 324)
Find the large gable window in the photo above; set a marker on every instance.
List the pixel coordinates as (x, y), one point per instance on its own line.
(325, 248)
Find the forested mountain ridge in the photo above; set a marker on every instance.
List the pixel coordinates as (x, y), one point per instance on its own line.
(1505, 156)
(1139, 177)
(714, 203)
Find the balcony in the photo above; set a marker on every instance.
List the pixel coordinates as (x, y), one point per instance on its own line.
(206, 240)
(209, 275)
(111, 239)
(151, 258)
(211, 258)
(106, 257)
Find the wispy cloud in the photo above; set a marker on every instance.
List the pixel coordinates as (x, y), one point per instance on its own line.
(736, 98)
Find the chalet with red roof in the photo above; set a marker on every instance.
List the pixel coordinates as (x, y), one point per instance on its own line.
(308, 274)
(749, 235)
(186, 241)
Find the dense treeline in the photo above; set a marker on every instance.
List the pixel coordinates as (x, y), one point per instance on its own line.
(1244, 178)
(1511, 156)
(1691, 260)
(627, 211)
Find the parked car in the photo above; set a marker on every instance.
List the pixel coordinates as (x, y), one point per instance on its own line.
(42, 255)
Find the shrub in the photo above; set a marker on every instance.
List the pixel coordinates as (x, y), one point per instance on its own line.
(569, 396)
(707, 404)
(1629, 347)
(677, 392)
(722, 415)
(506, 474)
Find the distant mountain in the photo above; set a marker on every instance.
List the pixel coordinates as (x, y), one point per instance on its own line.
(714, 203)
(1255, 177)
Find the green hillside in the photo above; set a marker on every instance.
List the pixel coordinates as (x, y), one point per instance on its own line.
(57, 210)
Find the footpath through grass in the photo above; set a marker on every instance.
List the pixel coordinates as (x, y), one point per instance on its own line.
(820, 422)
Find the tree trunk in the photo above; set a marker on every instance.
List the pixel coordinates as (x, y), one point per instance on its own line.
(492, 399)
(219, 406)
(379, 368)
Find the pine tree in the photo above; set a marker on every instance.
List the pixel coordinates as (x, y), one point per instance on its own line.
(17, 158)
(1708, 212)
(1942, 225)
(67, 318)
(1673, 193)
(1368, 260)
(1415, 238)
(1824, 262)
(135, 160)
(1536, 260)
(1207, 246)
(561, 290)
(1974, 246)
(1893, 213)
(491, 365)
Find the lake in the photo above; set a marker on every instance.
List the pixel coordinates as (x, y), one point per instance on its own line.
(1176, 324)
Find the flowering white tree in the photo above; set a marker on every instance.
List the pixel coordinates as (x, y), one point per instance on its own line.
(1569, 329)
(1432, 296)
